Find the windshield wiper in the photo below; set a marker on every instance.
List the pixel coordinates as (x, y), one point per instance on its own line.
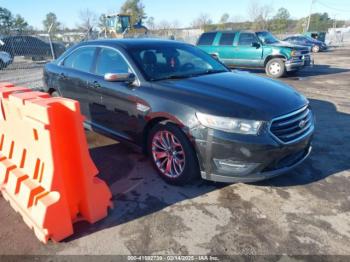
(172, 77)
(209, 72)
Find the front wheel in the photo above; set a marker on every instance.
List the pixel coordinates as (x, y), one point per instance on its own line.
(275, 68)
(315, 49)
(55, 94)
(172, 154)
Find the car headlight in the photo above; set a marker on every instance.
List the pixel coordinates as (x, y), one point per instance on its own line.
(231, 125)
(295, 53)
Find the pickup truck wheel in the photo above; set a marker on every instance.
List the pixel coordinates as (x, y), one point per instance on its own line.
(275, 68)
(172, 154)
(315, 49)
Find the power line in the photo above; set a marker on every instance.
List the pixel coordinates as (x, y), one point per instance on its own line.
(333, 8)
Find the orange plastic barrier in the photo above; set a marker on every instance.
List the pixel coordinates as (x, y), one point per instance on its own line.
(46, 172)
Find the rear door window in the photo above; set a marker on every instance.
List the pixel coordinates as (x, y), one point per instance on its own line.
(81, 59)
(207, 39)
(227, 39)
(247, 39)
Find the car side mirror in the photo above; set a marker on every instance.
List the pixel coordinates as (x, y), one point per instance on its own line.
(256, 45)
(215, 56)
(120, 77)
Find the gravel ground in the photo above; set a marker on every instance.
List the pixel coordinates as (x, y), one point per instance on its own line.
(306, 212)
(23, 72)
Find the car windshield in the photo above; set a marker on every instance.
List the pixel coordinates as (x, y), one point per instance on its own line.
(172, 61)
(267, 38)
(309, 38)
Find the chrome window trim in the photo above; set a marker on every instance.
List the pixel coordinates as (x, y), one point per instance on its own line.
(311, 130)
(60, 63)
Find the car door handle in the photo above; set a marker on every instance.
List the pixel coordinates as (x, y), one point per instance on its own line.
(95, 84)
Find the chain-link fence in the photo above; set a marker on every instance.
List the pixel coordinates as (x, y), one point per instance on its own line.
(23, 54)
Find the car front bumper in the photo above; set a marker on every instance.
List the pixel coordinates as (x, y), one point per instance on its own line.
(263, 156)
(324, 48)
(298, 63)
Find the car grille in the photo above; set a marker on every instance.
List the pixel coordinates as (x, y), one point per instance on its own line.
(294, 126)
(288, 160)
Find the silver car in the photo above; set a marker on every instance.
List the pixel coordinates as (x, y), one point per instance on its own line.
(5, 59)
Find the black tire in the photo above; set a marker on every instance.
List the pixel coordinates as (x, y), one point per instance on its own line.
(275, 68)
(38, 58)
(294, 72)
(2, 65)
(190, 169)
(316, 49)
(55, 94)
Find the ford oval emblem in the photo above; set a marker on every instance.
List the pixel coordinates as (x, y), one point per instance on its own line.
(302, 124)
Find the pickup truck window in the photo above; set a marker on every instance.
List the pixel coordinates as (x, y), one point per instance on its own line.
(246, 39)
(227, 39)
(207, 39)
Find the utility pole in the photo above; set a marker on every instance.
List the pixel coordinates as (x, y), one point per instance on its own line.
(309, 20)
(51, 45)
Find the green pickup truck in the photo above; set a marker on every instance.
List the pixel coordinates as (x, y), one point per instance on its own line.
(247, 49)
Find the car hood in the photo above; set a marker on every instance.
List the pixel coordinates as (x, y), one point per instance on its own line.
(290, 45)
(235, 94)
(317, 42)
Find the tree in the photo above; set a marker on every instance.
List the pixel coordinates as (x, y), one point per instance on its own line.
(150, 23)
(202, 22)
(19, 23)
(224, 18)
(175, 24)
(88, 20)
(279, 22)
(6, 20)
(320, 22)
(259, 14)
(103, 24)
(134, 8)
(164, 27)
(51, 21)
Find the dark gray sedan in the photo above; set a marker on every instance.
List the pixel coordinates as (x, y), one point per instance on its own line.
(192, 115)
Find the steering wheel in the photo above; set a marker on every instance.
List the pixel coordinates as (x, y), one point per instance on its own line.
(187, 66)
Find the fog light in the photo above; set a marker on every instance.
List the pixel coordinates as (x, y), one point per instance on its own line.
(234, 167)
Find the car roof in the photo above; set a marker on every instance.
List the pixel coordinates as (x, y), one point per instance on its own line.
(237, 31)
(228, 31)
(134, 42)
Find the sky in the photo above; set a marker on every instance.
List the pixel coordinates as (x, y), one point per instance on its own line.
(184, 11)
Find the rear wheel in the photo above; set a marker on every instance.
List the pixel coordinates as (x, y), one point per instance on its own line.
(315, 49)
(275, 68)
(172, 154)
